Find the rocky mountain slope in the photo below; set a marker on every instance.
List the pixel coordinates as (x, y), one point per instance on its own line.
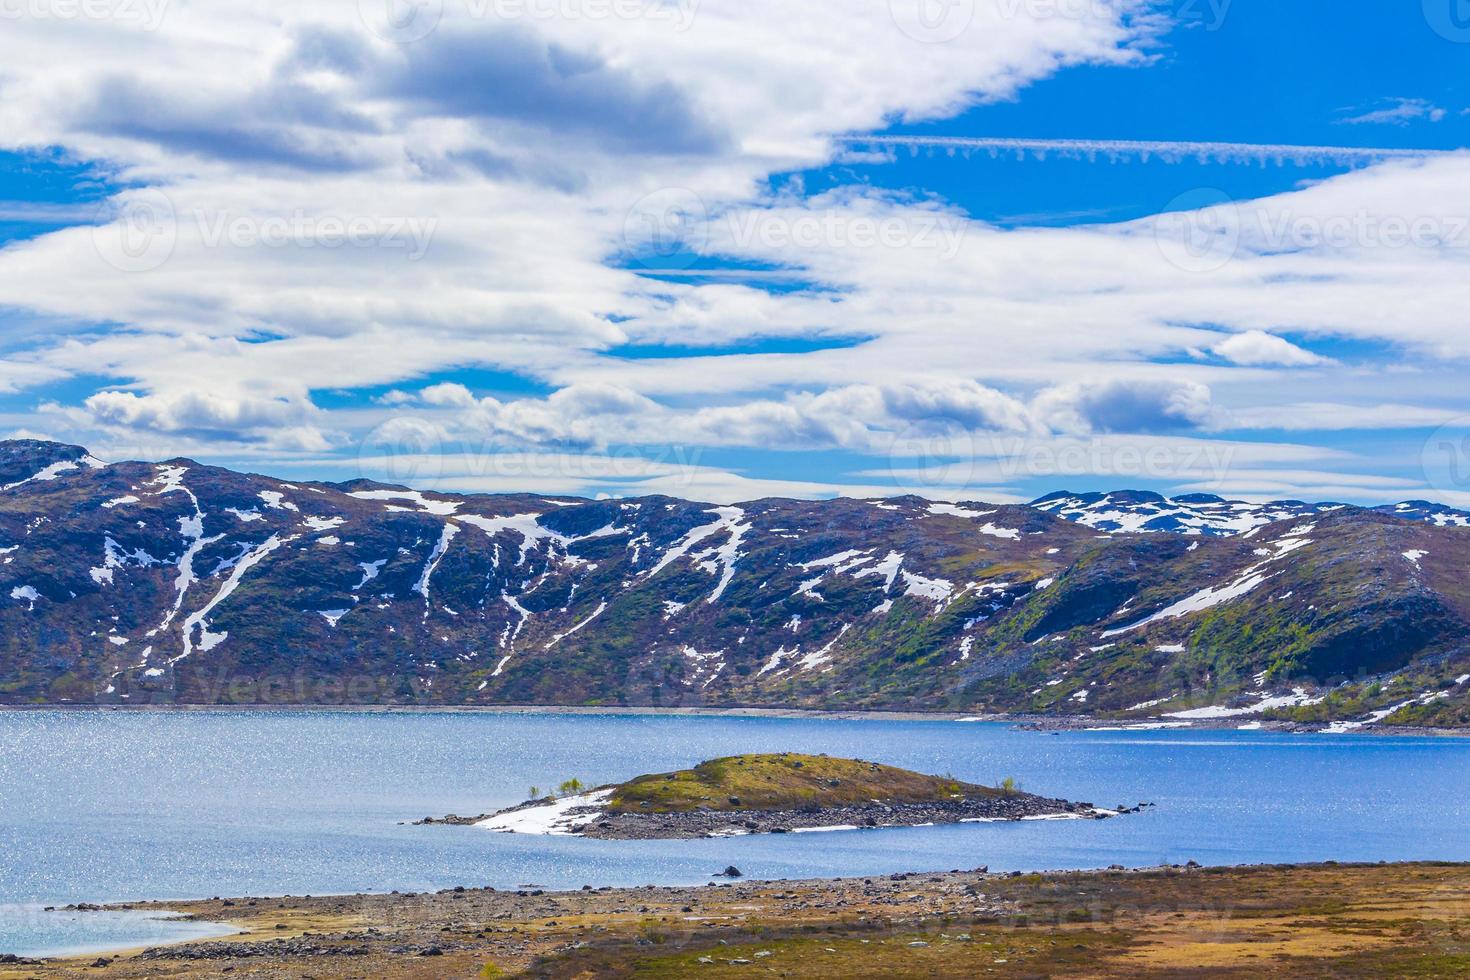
(177, 582)
(1203, 513)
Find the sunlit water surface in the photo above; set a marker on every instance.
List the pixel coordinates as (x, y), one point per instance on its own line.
(103, 806)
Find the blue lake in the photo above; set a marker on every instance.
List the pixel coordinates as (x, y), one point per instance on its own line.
(102, 806)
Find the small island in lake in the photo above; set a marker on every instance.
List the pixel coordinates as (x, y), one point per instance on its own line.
(773, 794)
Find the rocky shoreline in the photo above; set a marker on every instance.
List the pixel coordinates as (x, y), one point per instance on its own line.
(708, 823)
(592, 821)
(1179, 920)
(1022, 721)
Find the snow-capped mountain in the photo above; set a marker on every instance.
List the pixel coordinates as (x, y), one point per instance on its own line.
(138, 582)
(1201, 513)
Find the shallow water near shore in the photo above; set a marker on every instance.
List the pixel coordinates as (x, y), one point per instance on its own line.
(31, 930)
(103, 806)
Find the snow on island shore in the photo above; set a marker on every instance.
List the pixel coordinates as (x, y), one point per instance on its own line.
(777, 794)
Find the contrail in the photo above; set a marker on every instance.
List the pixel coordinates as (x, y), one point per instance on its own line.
(1144, 150)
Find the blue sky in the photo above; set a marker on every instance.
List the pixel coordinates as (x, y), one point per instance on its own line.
(618, 256)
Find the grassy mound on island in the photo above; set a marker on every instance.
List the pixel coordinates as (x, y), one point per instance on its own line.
(785, 781)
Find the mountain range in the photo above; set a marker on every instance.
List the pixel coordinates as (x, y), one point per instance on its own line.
(182, 583)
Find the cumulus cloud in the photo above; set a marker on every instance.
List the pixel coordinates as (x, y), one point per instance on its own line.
(1257, 348)
(523, 151)
(518, 148)
(863, 417)
(1125, 405)
(514, 76)
(279, 422)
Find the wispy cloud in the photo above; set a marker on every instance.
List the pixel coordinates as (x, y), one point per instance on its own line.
(1394, 112)
(42, 213)
(1168, 151)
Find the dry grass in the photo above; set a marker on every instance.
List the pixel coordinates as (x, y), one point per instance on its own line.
(1385, 921)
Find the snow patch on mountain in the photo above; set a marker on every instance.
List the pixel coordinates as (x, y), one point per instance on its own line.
(526, 525)
(889, 568)
(170, 479)
(778, 658)
(1137, 511)
(422, 585)
(1246, 582)
(1298, 696)
(707, 666)
(207, 640)
(722, 560)
(955, 510)
(48, 473)
(333, 616)
(726, 516)
(512, 630)
(601, 608)
(114, 557)
(370, 570)
(937, 589)
(1130, 511)
(817, 658)
(276, 500)
(440, 508)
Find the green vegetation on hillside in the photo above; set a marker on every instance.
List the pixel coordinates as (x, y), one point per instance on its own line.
(784, 781)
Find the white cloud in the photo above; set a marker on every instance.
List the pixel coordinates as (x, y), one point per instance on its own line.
(1257, 348)
(1395, 112)
(1125, 405)
(480, 215)
(1335, 416)
(863, 417)
(279, 423)
(491, 220)
(595, 475)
